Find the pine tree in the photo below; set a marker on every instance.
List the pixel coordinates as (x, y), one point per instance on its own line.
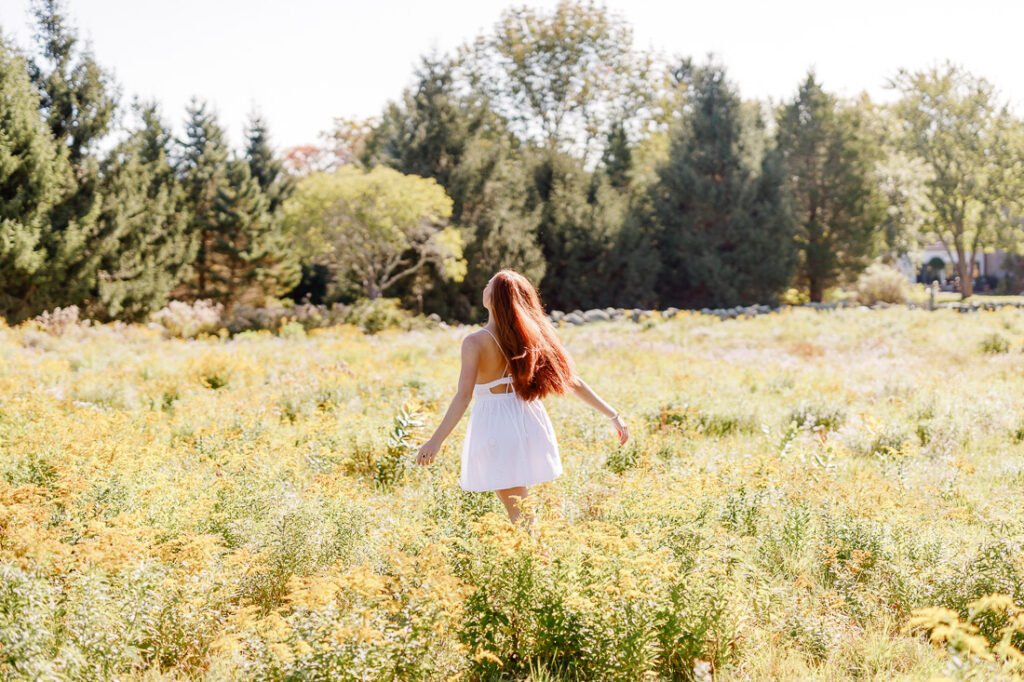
(34, 177)
(77, 100)
(144, 205)
(836, 202)
(437, 133)
(726, 234)
(264, 165)
(76, 95)
(203, 173)
(617, 158)
(252, 254)
(579, 219)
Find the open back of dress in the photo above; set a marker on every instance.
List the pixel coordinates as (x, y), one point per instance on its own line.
(509, 442)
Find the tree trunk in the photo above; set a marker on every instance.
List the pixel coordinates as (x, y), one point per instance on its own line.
(965, 270)
(816, 290)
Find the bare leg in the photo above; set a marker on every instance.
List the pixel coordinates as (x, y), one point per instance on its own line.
(510, 497)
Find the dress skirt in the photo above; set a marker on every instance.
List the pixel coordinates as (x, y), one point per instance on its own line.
(509, 442)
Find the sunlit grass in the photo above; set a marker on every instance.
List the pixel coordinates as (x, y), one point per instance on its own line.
(796, 486)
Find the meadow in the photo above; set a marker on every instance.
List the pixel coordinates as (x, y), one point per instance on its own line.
(831, 495)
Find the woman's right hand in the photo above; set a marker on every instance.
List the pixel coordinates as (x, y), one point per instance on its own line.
(622, 430)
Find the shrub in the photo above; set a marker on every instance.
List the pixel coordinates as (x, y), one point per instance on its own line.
(377, 314)
(189, 320)
(284, 315)
(60, 320)
(882, 284)
(793, 296)
(622, 459)
(811, 416)
(995, 343)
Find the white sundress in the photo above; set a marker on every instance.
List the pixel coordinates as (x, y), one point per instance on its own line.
(509, 442)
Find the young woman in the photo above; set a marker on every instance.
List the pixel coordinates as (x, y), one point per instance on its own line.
(510, 443)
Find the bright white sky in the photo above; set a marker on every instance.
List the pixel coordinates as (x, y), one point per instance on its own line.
(304, 62)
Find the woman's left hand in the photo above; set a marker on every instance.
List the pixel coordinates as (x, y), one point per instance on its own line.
(428, 451)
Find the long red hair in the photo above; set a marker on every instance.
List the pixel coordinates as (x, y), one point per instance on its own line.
(539, 363)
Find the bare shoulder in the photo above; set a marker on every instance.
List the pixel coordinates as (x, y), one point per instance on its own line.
(471, 341)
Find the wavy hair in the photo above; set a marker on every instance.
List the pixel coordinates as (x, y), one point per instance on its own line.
(539, 363)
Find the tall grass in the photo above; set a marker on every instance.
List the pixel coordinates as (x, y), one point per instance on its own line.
(830, 495)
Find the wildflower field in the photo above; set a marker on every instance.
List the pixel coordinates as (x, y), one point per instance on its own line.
(805, 495)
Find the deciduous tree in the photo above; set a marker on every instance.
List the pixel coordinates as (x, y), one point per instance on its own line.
(956, 122)
(375, 227)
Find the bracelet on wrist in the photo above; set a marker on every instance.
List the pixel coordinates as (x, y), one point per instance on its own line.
(614, 416)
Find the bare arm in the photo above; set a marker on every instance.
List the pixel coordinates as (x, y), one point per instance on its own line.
(587, 395)
(459, 404)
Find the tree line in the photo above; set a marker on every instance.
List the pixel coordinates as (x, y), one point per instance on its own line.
(609, 175)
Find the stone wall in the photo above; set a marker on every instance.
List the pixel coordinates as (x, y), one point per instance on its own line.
(577, 317)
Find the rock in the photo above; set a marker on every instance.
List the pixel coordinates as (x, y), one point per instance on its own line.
(574, 318)
(596, 316)
(556, 315)
(670, 313)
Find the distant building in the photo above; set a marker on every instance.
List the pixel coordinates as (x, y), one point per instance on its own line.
(933, 263)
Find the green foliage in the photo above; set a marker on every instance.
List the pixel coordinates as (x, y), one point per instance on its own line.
(77, 101)
(391, 466)
(585, 225)
(34, 175)
(526, 614)
(363, 225)
(202, 168)
(955, 123)
(562, 77)
(254, 254)
(825, 143)
(623, 458)
(264, 166)
(725, 227)
(143, 205)
(436, 132)
(995, 343)
(376, 314)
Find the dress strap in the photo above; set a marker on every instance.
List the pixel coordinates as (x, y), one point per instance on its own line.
(507, 365)
(522, 405)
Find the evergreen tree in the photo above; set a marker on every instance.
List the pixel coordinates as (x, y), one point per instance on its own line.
(427, 134)
(837, 204)
(460, 143)
(617, 159)
(264, 165)
(77, 97)
(144, 205)
(579, 219)
(77, 100)
(203, 172)
(252, 254)
(34, 177)
(632, 261)
(726, 234)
